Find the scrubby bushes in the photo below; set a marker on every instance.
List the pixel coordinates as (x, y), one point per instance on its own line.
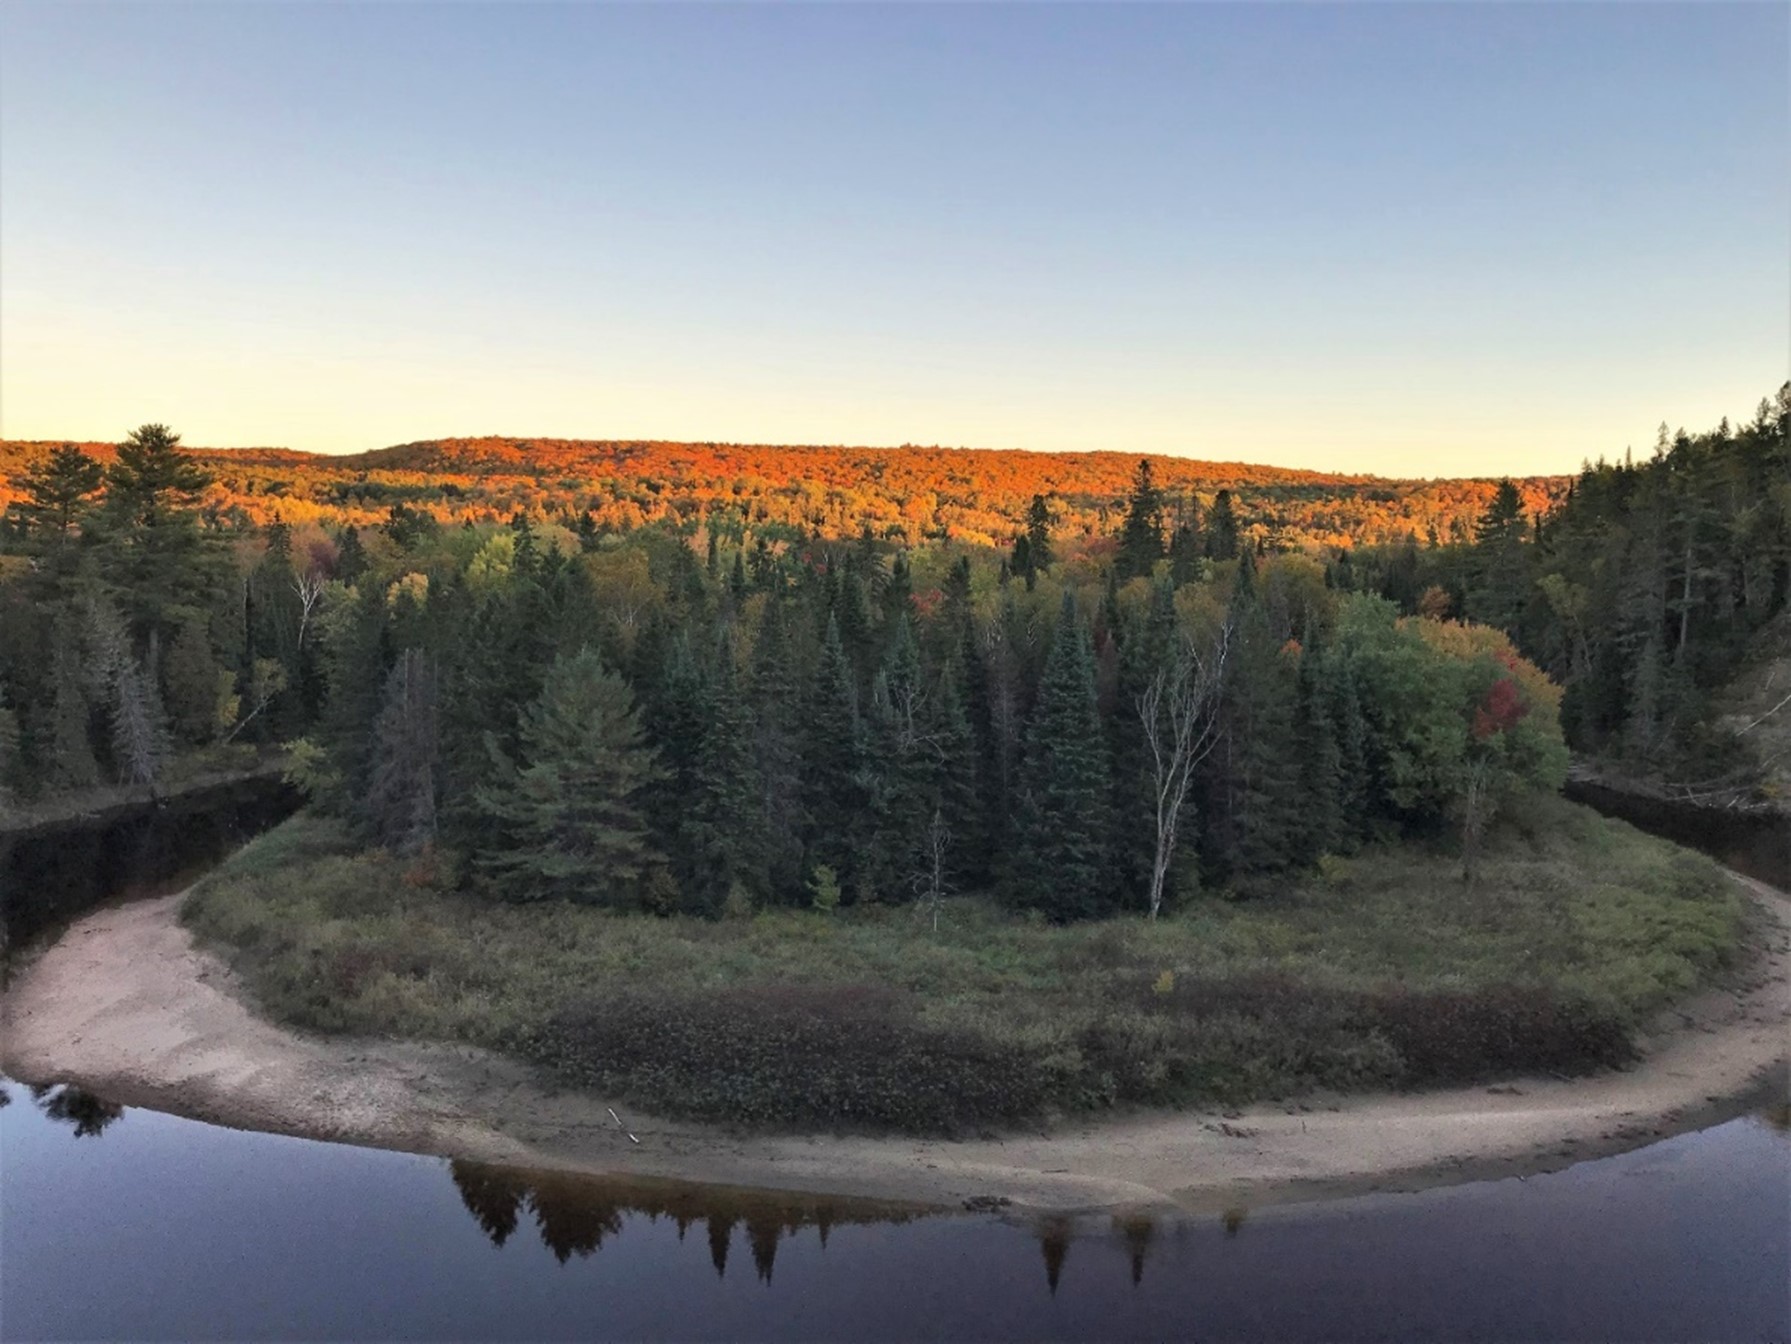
(795, 1056)
(1384, 971)
(861, 1057)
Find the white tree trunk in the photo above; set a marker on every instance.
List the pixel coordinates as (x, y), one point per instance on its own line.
(1177, 711)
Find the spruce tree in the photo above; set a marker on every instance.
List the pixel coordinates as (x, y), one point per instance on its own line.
(69, 759)
(1062, 864)
(902, 766)
(1021, 562)
(1267, 812)
(960, 800)
(1141, 539)
(1500, 585)
(401, 799)
(351, 556)
(833, 756)
(191, 675)
(571, 811)
(355, 658)
(1038, 533)
(1222, 529)
(1186, 549)
(777, 742)
(722, 842)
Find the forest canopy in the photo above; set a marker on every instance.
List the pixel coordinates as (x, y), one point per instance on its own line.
(699, 715)
(723, 706)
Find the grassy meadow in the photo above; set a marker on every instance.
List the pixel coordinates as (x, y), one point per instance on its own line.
(1383, 970)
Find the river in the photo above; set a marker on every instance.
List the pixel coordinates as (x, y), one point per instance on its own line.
(53, 873)
(130, 1224)
(119, 1223)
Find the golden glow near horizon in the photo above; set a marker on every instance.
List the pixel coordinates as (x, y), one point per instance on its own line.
(1057, 227)
(97, 384)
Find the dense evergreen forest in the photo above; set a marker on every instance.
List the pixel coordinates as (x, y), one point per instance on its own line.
(699, 714)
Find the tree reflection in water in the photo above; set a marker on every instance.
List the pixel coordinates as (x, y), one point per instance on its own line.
(88, 1114)
(1054, 1240)
(1138, 1231)
(575, 1214)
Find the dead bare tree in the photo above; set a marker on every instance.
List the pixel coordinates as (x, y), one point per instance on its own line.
(930, 882)
(267, 678)
(309, 586)
(1178, 711)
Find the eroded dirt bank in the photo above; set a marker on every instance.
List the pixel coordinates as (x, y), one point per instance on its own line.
(125, 1005)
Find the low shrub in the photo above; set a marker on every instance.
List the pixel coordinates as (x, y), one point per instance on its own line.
(781, 1055)
(1470, 1035)
(1385, 971)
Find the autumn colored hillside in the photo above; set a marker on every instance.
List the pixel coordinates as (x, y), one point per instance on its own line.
(976, 496)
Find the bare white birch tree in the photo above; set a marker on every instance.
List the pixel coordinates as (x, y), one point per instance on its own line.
(1178, 711)
(930, 880)
(310, 587)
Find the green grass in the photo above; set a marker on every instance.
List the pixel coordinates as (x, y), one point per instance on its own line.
(1384, 970)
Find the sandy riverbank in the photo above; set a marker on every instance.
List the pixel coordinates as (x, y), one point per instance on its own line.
(125, 1005)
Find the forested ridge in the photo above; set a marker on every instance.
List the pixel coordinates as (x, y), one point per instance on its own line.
(908, 495)
(700, 718)
(715, 711)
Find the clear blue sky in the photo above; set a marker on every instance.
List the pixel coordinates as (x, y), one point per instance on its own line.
(1432, 239)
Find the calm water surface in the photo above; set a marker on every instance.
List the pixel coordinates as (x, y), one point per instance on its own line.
(132, 1224)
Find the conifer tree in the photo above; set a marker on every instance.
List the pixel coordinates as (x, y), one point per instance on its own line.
(1038, 533)
(851, 616)
(1141, 539)
(351, 556)
(161, 559)
(355, 658)
(1222, 529)
(833, 757)
(69, 759)
(1022, 564)
(1062, 864)
(903, 760)
(1500, 586)
(1186, 548)
(961, 804)
(721, 844)
(58, 495)
(1269, 820)
(402, 791)
(571, 810)
(777, 742)
(192, 677)
(898, 593)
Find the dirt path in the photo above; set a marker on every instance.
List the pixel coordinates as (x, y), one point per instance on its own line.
(125, 1005)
